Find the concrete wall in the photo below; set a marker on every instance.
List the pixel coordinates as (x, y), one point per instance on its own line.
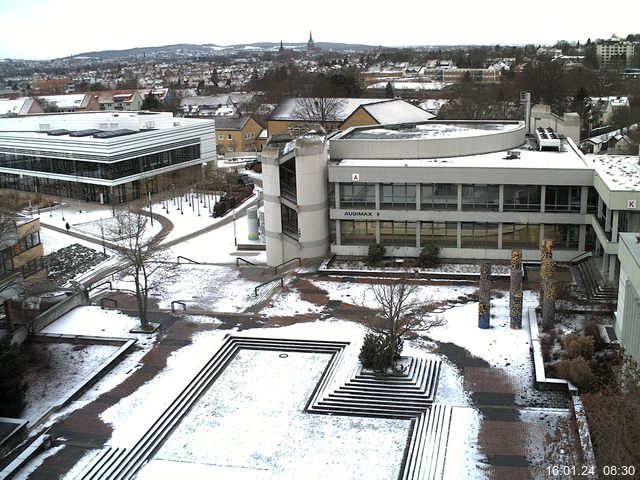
(430, 146)
(271, 197)
(568, 125)
(627, 321)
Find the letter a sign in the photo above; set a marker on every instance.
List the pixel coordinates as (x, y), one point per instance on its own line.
(355, 177)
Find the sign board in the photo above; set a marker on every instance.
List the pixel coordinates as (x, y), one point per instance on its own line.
(632, 204)
(355, 177)
(371, 214)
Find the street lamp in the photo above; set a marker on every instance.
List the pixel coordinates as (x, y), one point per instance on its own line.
(104, 249)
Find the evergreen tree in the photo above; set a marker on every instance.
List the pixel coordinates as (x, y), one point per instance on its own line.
(390, 91)
(12, 384)
(151, 102)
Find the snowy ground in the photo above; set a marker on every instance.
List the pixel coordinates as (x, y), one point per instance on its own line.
(55, 369)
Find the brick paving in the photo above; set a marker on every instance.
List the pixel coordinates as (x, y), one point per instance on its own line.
(505, 440)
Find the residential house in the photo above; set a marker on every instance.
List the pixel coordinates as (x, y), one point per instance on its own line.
(121, 100)
(385, 112)
(77, 102)
(19, 106)
(236, 135)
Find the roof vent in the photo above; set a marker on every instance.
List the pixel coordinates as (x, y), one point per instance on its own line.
(512, 154)
(547, 139)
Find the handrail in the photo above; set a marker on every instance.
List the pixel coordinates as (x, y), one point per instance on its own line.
(275, 269)
(580, 257)
(238, 259)
(187, 259)
(173, 308)
(108, 282)
(255, 290)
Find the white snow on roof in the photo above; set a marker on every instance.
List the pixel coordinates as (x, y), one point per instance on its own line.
(287, 107)
(565, 159)
(397, 111)
(432, 130)
(417, 86)
(618, 172)
(12, 106)
(66, 101)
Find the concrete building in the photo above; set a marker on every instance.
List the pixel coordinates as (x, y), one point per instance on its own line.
(477, 189)
(627, 317)
(21, 253)
(237, 135)
(104, 157)
(615, 53)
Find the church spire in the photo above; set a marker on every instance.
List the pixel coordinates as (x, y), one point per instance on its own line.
(310, 44)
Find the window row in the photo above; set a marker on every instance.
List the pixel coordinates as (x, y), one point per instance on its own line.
(444, 196)
(445, 234)
(108, 171)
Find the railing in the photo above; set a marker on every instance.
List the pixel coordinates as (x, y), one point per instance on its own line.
(178, 302)
(580, 257)
(187, 259)
(298, 259)
(240, 259)
(255, 290)
(108, 282)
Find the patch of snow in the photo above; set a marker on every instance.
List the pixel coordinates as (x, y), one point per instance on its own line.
(95, 322)
(33, 464)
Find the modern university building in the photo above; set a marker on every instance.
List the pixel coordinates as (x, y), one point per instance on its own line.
(107, 157)
(478, 189)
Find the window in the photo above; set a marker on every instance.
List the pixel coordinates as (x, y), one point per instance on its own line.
(398, 233)
(480, 197)
(6, 262)
(32, 267)
(443, 234)
(592, 200)
(29, 241)
(398, 196)
(479, 235)
(357, 195)
(230, 148)
(288, 179)
(522, 198)
(229, 136)
(354, 232)
(220, 137)
(289, 221)
(439, 196)
(520, 235)
(565, 237)
(562, 199)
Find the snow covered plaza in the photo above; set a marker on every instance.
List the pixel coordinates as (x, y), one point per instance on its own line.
(251, 415)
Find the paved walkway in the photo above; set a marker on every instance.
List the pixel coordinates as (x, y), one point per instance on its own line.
(516, 419)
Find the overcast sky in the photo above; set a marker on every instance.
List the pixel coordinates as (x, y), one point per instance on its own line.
(45, 29)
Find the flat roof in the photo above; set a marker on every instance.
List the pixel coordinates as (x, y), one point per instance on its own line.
(529, 157)
(618, 172)
(435, 129)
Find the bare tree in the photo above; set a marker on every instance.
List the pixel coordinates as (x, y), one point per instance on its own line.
(399, 311)
(139, 249)
(322, 110)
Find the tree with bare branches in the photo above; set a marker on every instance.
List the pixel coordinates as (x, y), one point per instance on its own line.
(322, 110)
(399, 310)
(139, 250)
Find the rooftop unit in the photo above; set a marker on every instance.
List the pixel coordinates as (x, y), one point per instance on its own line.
(547, 139)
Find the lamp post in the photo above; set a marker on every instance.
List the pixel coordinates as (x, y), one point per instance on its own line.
(150, 211)
(235, 237)
(104, 248)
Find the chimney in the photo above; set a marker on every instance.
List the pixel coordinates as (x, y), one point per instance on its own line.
(525, 100)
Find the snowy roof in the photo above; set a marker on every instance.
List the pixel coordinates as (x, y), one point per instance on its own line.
(417, 86)
(230, 123)
(210, 101)
(396, 111)
(109, 96)
(432, 130)
(529, 157)
(17, 106)
(618, 172)
(286, 108)
(78, 100)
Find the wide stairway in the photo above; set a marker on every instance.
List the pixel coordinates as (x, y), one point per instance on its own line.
(594, 288)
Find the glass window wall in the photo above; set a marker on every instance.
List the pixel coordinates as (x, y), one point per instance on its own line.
(480, 197)
(439, 196)
(443, 234)
(522, 198)
(357, 195)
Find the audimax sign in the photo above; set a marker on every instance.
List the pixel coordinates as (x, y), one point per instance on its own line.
(361, 213)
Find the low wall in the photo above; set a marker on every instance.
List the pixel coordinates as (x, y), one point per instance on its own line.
(59, 309)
